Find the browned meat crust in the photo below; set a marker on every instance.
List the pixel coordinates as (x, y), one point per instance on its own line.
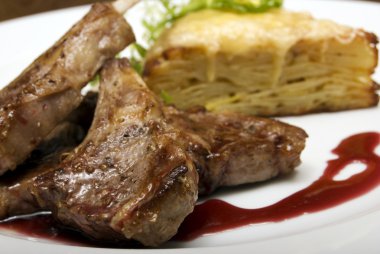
(131, 178)
(49, 89)
(232, 149)
(134, 176)
(15, 195)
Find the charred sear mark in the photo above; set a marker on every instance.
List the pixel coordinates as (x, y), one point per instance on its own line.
(278, 140)
(134, 131)
(172, 178)
(109, 162)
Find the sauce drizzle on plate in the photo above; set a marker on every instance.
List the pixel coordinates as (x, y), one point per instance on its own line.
(216, 215)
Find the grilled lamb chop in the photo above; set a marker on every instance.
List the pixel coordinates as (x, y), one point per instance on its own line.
(232, 149)
(49, 89)
(15, 195)
(131, 178)
(134, 175)
(84, 114)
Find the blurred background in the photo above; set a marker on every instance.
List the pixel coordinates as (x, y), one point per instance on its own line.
(16, 8)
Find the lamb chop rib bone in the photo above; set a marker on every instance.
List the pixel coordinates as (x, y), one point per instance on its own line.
(133, 177)
(49, 89)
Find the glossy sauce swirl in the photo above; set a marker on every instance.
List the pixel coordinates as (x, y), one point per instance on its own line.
(216, 215)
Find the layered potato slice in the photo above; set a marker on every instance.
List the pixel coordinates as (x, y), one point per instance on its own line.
(275, 63)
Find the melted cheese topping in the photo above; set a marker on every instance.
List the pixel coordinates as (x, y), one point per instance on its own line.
(274, 63)
(229, 32)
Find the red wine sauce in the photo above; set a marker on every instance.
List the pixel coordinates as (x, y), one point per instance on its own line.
(44, 226)
(216, 215)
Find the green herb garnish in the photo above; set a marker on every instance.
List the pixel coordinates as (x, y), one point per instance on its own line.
(169, 12)
(138, 53)
(163, 13)
(166, 97)
(95, 81)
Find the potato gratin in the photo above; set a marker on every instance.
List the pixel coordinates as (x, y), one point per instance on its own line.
(273, 63)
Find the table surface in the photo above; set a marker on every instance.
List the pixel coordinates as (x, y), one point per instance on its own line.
(16, 8)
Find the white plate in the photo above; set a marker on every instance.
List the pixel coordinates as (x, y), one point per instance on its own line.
(349, 228)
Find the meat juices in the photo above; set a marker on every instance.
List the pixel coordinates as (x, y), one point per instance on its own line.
(49, 89)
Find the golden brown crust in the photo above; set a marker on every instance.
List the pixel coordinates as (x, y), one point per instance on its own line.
(373, 41)
(176, 53)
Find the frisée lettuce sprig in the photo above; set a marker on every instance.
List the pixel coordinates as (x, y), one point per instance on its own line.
(161, 14)
(170, 12)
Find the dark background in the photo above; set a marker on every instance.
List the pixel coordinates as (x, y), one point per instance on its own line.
(16, 8)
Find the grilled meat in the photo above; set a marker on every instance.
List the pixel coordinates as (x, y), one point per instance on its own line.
(134, 176)
(84, 114)
(49, 89)
(131, 178)
(15, 195)
(232, 149)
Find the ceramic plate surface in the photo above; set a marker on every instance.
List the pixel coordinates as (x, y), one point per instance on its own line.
(352, 227)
